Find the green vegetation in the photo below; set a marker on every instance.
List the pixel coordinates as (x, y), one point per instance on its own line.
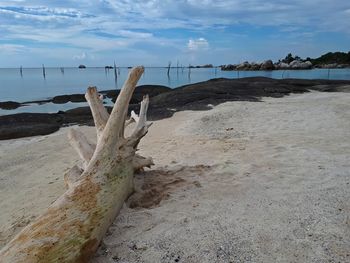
(328, 58)
(289, 58)
(332, 58)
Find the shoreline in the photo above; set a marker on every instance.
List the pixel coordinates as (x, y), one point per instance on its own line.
(154, 89)
(166, 101)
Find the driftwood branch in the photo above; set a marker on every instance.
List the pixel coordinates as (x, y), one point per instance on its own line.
(73, 226)
(98, 111)
(72, 176)
(133, 118)
(82, 145)
(139, 162)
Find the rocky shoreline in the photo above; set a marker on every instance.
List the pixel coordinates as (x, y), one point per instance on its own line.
(269, 65)
(164, 101)
(329, 60)
(152, 90)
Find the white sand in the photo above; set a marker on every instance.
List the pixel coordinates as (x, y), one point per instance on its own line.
(244, 182)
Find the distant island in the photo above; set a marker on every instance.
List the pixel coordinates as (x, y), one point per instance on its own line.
(329, 60)
(82, 66)
(203, 66)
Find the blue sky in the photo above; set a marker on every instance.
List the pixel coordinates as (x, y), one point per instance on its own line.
(97, 32)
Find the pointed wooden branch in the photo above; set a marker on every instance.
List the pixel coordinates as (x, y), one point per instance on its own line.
(73, 226)
(98, 111)
(133, 118)
(81, 144)
(141, 122)
(142, 126)
(114, 129)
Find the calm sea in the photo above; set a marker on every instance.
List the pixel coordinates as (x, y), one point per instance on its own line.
(33, 86)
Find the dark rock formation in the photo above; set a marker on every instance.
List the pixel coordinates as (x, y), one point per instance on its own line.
(165, 101)
(267, 65)
(295, 64)
(9, 105)
(140, 91)
(243, 66)
(151, 90)
(66, 98)
(254, 66)
(228, 67)
(28, 124)
(332, 66)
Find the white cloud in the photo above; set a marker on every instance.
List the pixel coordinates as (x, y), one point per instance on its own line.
(198, 44)
(12, 48)
(122, 26)
(80, 57)
(133, 34)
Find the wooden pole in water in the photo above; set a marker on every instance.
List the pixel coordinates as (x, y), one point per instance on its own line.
(115, 72)
(177, 67)
(44, 72)
(169, 65)
(21, 71)
(189, 71)
(62, 70)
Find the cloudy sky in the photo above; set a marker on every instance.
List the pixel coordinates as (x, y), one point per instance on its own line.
(153, 32)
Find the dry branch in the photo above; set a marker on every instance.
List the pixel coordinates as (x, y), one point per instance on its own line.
(73, 226)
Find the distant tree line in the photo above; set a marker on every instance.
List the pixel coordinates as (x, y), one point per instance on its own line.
(333, 57)
(328, 58)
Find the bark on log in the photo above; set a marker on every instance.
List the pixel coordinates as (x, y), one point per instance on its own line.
(73, 226)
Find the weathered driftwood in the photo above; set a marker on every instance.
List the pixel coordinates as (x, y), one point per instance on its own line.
(73, 226)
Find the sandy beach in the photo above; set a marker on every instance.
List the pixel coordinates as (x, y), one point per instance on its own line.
(243, 182)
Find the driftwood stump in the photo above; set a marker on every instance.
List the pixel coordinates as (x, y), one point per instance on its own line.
(72, 227)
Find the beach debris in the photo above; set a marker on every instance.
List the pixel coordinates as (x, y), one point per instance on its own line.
(73, 226)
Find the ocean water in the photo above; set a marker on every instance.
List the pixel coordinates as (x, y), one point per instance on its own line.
(33, 86)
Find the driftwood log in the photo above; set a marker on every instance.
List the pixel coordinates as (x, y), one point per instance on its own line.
(72, 227)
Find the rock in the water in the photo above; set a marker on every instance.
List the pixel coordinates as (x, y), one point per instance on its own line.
(228, 67)
(66, 98)
(9, 105)
(254, 66)
(296, 64)
(243, 66)
(140, 91)
(267, 65)
(282, 65)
